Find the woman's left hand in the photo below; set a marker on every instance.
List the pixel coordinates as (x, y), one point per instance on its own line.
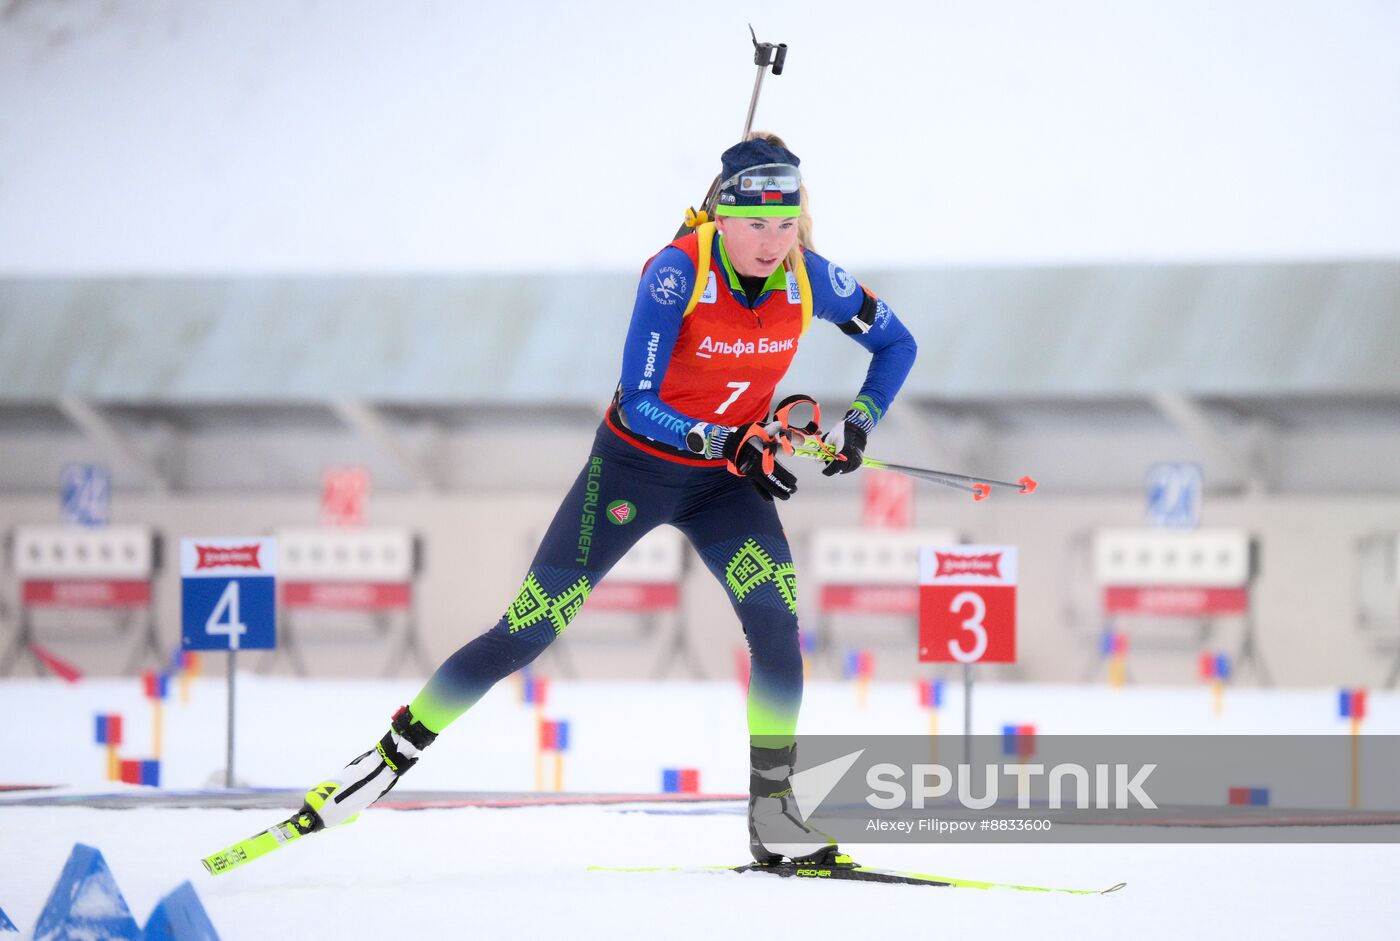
(848, 440)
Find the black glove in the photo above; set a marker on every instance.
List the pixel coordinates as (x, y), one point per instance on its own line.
(848, 439)
(749, 452)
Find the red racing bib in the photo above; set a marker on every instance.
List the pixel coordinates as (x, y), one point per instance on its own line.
(729, 359)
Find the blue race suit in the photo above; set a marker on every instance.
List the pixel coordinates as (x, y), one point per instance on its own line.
(638, 460)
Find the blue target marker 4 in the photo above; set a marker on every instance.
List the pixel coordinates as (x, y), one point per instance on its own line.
(228, 593)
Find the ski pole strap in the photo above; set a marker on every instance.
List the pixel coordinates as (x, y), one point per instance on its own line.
(784, 414)
(789, 415)
(764, 442)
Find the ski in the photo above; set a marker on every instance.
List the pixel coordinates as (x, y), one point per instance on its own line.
(858, 874)
(260, 844)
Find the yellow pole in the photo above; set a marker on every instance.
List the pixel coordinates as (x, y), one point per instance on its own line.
(1116, 673)
(862, 691)
(1355, 763)
(539, 747)
(539, 750)
(1219, 690)
(114, 770)
(156, 734)
(558, 771)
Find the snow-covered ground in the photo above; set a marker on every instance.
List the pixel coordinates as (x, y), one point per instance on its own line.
(522, 873)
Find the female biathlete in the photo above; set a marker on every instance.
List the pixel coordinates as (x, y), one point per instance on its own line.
(717, 320)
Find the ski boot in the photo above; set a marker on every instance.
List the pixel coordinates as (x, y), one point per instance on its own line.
(776, 828)
(369, 777)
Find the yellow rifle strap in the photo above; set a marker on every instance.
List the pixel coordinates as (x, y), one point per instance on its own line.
(705, 236)
(804, 287)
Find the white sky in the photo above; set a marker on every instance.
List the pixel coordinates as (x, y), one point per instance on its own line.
(437, 136)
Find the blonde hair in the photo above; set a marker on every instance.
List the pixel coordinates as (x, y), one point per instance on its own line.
(804, 220)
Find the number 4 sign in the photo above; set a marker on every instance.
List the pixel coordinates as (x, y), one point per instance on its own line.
(967, 604)
(227, 593)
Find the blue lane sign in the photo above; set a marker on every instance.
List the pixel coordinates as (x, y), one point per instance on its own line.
(228, 592)
(1174, 495)
(86, 494)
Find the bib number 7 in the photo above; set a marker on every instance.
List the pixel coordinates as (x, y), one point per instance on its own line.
(739, 389)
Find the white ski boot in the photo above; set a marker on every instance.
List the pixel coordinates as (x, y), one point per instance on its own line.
(369, 777)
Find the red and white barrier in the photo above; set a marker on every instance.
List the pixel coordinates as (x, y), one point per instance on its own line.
(1200, 575)
(368, 571)
(109, 569)
(646, 584)
(868, 572)
(647, 578)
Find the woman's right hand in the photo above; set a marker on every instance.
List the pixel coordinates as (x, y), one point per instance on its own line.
(750, 451)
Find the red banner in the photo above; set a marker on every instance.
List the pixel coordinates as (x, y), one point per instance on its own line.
(344, 491)
(86, 593)
(1175, 602)
(951, 564)
(215, 557)
(887, 501)
(347, 596)
(635, 596)
(870, 599)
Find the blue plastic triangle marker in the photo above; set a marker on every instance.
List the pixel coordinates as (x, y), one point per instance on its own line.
(180, 916)
(86, 903)
(5, 923)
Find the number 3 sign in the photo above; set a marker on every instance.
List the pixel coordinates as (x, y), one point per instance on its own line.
(967, 604)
